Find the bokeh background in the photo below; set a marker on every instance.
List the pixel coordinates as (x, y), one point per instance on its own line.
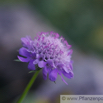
(79, 21)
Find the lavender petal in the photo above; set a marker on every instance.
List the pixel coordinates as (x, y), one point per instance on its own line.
(23, 59)
(53, 75)
(41, 64)
(44, 73)
(63, 79)
(66, 69)
(23, 51)
(31, 66)
(68, 75)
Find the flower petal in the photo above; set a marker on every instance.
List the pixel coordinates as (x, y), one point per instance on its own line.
(53, 75)
(33, 54)
(70, 65)
(26, 41)
(68, 75)
(41, 64)
(70, 52)
(63, 78)
(47, 70)
(23, 51)
(50, 62)
(35, 61)
(44, 74)
(31, 66)
(23, 59)
(66, 69)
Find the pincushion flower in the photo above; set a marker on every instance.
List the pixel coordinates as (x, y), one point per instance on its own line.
(50, 52)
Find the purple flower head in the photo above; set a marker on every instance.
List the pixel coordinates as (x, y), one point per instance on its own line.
(49, 52)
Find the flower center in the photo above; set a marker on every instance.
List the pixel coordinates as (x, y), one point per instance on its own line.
(40, 59)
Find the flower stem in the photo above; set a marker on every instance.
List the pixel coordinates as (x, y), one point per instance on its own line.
(28, 87)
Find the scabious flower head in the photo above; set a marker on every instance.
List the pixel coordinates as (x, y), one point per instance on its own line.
(50, 52)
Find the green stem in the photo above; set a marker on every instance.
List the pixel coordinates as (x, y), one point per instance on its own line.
(28, 87)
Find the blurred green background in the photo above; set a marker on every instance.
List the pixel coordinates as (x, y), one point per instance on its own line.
(80, 20)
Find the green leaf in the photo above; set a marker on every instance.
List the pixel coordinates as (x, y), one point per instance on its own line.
(31, 71)
(17, 60)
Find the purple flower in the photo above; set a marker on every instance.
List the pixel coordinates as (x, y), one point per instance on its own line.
(49, 52)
